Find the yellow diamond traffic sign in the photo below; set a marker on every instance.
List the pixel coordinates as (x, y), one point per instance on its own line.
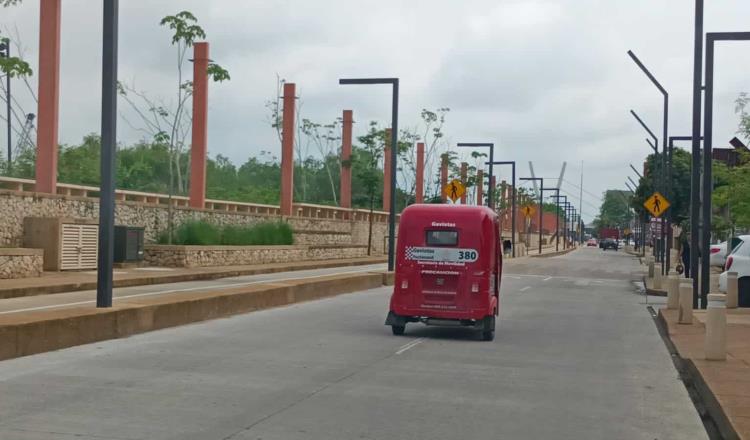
(656, 204)
(528, 210)
(454, 190)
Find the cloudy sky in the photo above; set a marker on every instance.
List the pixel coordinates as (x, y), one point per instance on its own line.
(547, 80)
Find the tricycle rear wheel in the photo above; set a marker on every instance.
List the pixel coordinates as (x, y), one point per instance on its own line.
(398, 330)
(489, 325)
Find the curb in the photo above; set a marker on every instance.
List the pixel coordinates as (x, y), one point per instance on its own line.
(710, 411)
(554, 254)
(16, 292)
(25, 334)
(653, 292)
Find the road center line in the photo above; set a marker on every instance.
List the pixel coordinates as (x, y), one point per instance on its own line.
(547, 279)
(410, 345)
(525, 288)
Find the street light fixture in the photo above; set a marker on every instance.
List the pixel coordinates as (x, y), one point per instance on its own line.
(394, 155)
(104, 275)
(541, 204)
(654, 146)
(491, 146)
(5, 53)
(665, 162)
(636, 171)
(711, 39)
(512, 163)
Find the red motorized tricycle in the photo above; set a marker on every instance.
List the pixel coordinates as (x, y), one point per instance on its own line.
(448, 268)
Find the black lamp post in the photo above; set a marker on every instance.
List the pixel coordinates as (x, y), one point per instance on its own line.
(394, 156)
(512, 163)
(654, 146)
(711, 39)
(491, 146)
(541, 204)
(666, 163)
(104, 278)
(5, 53)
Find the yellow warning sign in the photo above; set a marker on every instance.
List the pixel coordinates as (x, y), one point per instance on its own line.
(455, 189)
(528, 210)
(627, 231)
(656, 204)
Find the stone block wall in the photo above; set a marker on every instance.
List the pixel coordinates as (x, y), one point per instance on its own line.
(210, 256)
(20, 263)
(16, 205)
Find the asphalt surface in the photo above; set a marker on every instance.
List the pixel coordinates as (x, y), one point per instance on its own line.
(576, 356)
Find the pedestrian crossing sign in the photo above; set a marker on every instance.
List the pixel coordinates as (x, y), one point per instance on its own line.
(656, 204)
(454, 190)
(528, 210)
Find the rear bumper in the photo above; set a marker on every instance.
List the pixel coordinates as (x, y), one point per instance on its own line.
(482, 323)
(417, 314)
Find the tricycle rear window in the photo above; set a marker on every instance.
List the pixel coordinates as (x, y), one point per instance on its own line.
(442, 238)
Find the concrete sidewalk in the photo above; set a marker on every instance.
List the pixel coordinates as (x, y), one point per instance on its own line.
(57, 282)
(723, 385)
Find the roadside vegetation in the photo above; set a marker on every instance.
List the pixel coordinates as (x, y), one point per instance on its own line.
(206, 234)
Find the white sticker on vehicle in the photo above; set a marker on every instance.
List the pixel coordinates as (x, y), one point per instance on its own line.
(438, 254)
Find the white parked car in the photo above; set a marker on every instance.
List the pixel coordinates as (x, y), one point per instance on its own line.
(719, 254)
(738, 261)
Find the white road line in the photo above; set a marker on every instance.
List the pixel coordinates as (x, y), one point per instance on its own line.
(547, 279)
(188, 289)
(410, 345)
(510, 276)
(525, 288)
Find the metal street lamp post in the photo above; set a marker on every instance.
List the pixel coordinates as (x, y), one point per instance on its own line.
(557, 198)
(394, 156)
(5, 53)
(711, 39)
(108, 149)
(491, 146)
(541, 204)
(512, 163)
(664, 160)
(654, 146)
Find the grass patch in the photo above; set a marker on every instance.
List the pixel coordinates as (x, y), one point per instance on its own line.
(206, 234)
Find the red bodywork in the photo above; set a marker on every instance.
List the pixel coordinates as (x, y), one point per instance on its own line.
(456, 279)
(609, 233)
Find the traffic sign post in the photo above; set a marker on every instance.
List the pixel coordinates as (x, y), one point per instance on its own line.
(455, 189)
(657, 204)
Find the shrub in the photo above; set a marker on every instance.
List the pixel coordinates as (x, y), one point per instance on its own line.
(205, 234)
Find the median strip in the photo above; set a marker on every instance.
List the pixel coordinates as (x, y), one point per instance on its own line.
(30, 332)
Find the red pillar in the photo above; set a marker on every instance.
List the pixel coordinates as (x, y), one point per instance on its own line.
(443, 179)
(419, 187)
(199, 148)
(480, 187)
(346, 158)
(494, 189)
(49, 95)
(387, 172)
(287, 149)
(464, 167)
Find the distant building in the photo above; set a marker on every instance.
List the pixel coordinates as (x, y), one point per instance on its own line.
(730, 156)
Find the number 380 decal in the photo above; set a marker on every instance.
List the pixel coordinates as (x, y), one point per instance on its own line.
(467, 255)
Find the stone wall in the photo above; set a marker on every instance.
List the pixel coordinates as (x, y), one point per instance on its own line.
(209, 256)
(20, 263)
(15, 206)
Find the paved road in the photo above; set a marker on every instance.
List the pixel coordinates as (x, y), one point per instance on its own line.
(576, 356)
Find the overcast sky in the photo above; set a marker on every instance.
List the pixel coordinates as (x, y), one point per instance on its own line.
(547, 81)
